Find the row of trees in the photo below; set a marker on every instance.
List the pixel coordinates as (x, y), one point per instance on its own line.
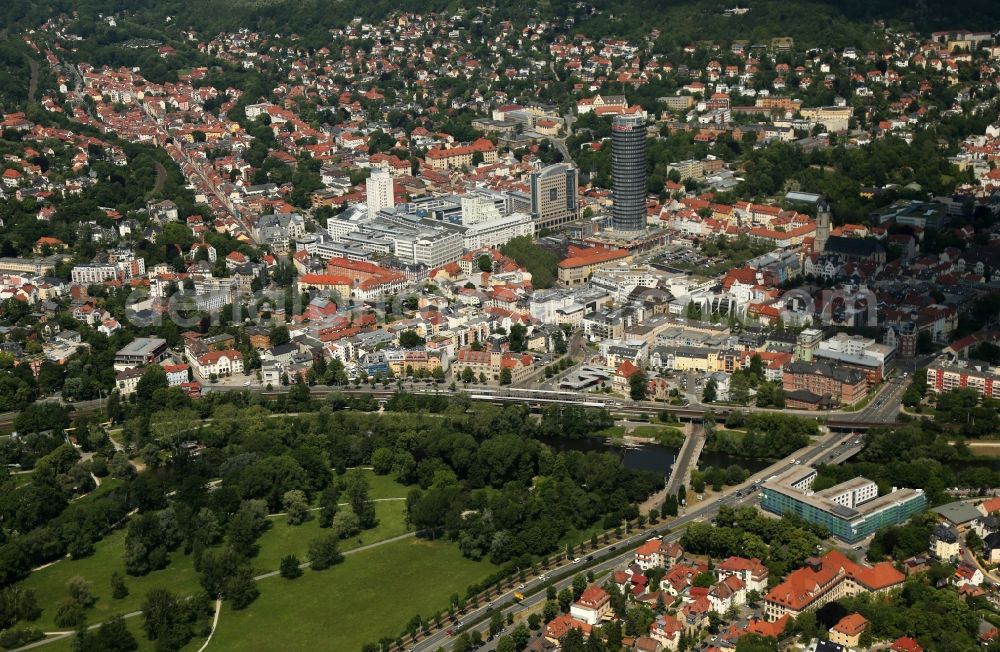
(764, 434)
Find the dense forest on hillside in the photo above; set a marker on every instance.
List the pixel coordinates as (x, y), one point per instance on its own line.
(826, 22)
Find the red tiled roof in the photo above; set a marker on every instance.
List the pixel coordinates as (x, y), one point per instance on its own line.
(991, 505)
(906, 644)
(593, 596)
(473, 357)
(650, 547)
(560, 626)
(803, 586)
(626, 369)
(324, 279)
(764, 628)
(851, 624)
(592, 256)
(213, 357)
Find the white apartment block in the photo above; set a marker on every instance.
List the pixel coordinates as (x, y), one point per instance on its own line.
(378, 191)
(852, 493)
(89, 274)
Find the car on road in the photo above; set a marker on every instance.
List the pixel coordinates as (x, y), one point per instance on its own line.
(521, 586)
(590, 557)
(576, 560)
(613, 548)
(246, 384)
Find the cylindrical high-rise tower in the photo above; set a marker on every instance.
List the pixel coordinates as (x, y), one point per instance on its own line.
(628, 171)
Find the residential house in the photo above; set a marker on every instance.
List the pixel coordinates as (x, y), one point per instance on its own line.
(991, 548)
(177, 374)
(220, 363)
(666, 630)
(561, 625)
(944, 543)
(729, 592)
(752, 572)
(623, 374)
(593, 606)
(127, 380)
(657, 553)
(967, 574)
(848, 630)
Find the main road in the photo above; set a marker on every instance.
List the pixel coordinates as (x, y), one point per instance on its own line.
(623, 552)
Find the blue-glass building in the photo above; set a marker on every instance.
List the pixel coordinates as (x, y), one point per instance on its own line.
(851, 510)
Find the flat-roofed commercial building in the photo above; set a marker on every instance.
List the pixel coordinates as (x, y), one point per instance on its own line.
(140, 351)
(851, 510)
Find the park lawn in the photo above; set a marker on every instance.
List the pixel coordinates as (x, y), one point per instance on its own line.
(50, 583)
(134, 626)
(283, 539)
(667, 435)
(370, 595)
(614, 432)
(179, 576)
(385, 486)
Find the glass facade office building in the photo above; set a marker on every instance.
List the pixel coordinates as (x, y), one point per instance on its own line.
(845, 523)
(628, 172)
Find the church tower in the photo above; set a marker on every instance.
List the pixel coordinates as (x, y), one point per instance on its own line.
(822, 226)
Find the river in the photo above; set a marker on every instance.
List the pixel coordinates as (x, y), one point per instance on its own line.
(654, 457)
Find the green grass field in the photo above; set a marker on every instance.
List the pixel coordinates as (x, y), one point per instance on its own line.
(50, 583)
(614, 432)
(370, 595)
(134, 626)
(283, 539)
(385, 486)
(179, 576)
